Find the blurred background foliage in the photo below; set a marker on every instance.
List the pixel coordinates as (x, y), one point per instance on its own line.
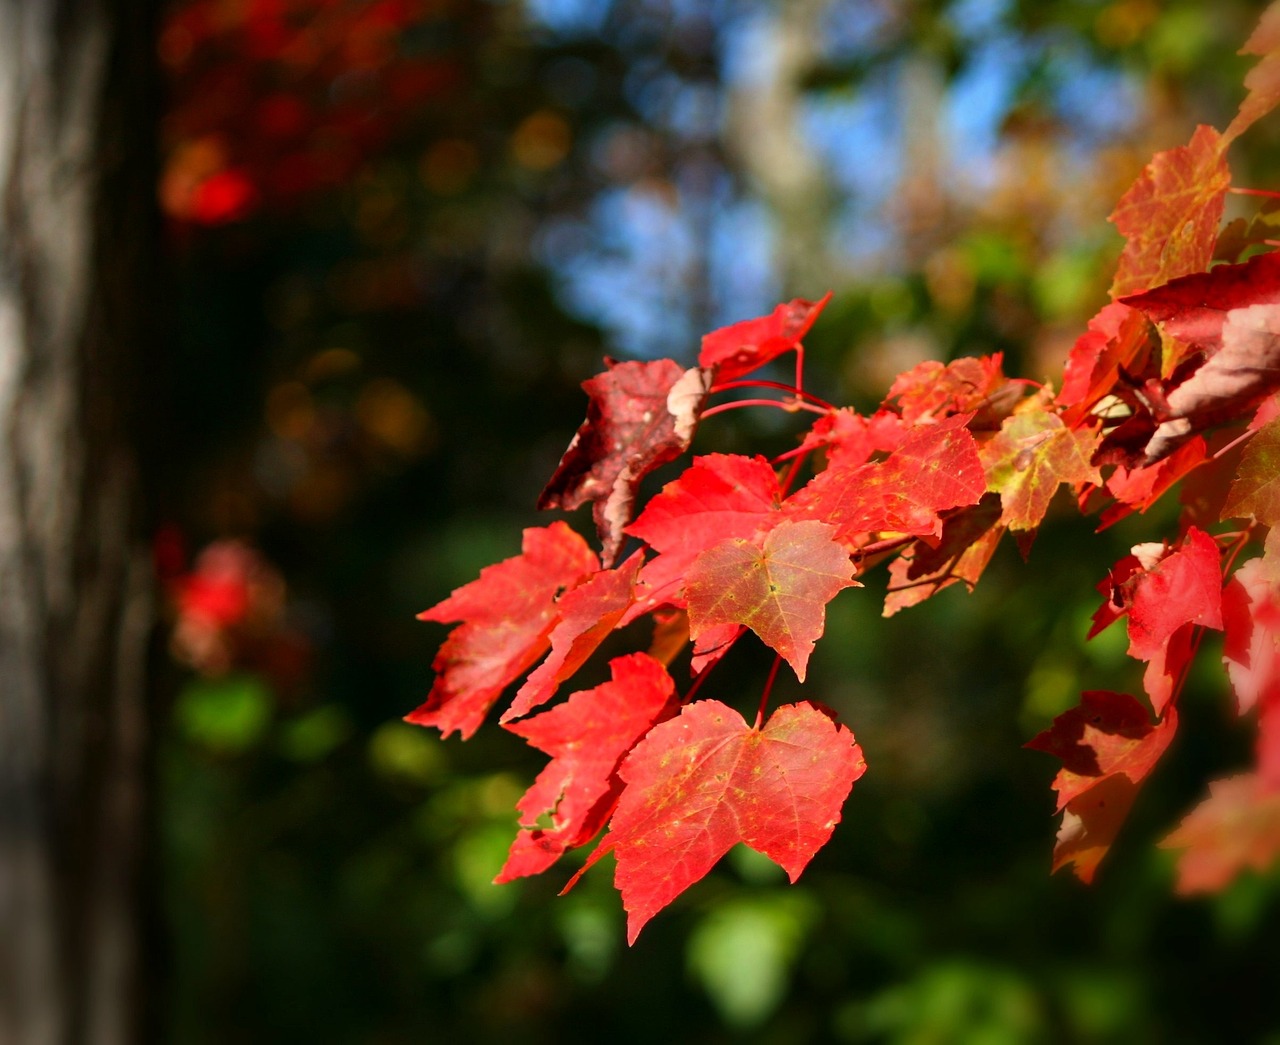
(401, 233)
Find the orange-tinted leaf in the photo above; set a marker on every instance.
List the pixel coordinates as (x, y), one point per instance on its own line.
(702, 782)
(935, 468)
(640, 416)
(588, 613)
(777, 586)
(1263, 80)
(743, 347)
(932, 390)
(719, 496)
(969, 539)
(1170, 215)
(586, 737)
(1108, 746)
(507, 616)
(1237, 828)
(1256, 492)
(1029, 458)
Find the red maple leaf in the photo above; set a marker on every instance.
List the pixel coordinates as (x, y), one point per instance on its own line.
(507, 616)
(1183, 587)
(1137, 489)
(1108, 746)
(777, 585)
(1251, 653)
(587, 614)
(935, 468)
(736, 350)
(718, 497)
(1235, 829)
(699, 783)
(640, 416)
(1170, 215)
(850, 439)
(1231, 314)
(1116, 340)
(586, 737)
(932, 390)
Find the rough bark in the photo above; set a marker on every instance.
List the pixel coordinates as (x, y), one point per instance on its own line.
(76, 233)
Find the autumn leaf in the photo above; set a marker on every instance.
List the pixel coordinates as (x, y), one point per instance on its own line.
(640, 416)
(1115, 341)
(586, 737)
(1232, 315)
(737, 350)
(1031, 456)
(1108, 746)
(934, 469)
(931, 390)
(718, 497)
(969, 539)
(778, 587)
(1137, 489)
(699, 783)
(1183, 587)
(1235, 829)
(1263, 80)
(588, 613)
(849, 439)
(507, 616)
(1170, 215)
(1255, 494)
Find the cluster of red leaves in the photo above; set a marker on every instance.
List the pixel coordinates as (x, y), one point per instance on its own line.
(274, 99)
(955, 456)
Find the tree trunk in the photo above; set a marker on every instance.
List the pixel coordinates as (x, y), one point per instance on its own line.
(76, 297)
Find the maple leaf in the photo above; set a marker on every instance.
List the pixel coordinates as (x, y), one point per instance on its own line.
(1161, 590)
(701, 782)
(1255, 493)
(1263, 80)
(719, 496)
(507, 616)
(587, 614)
(1137, 489)
(935, 468)
(1169, 217)
(932, 390)
(1029, 458)
(1108, 746)
(849, 439)
(640, 416)
(969, 539)
(736, 350)
(1114, 342)
(778, 586)
(586, 737)
(1232, 315)
(1237, 828)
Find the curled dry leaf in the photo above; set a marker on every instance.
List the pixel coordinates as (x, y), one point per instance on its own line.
(640, 416)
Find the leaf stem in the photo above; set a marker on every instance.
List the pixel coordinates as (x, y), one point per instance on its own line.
(790, 407)
(768, 688)
(729, 386)
(1254, 192)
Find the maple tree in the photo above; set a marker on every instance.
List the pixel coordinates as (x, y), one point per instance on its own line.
(1173, 373)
